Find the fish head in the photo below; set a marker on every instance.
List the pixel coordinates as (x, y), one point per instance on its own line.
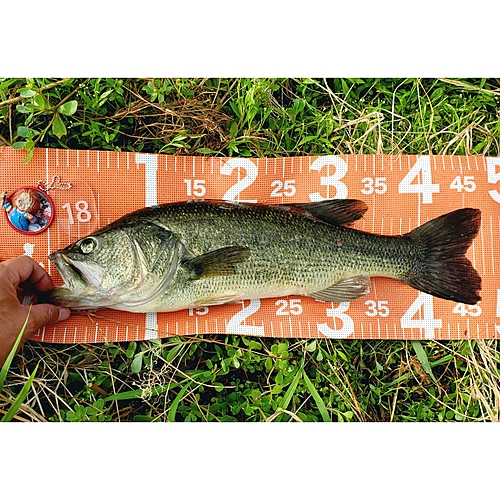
(121, 266)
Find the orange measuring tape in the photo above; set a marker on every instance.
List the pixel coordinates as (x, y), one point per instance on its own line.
(84, 190)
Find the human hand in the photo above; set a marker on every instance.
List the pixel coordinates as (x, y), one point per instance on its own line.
(26, 273)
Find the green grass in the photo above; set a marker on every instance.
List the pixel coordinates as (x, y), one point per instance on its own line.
(237, 378)
(9, 413)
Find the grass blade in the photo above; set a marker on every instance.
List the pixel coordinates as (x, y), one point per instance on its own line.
(20, 398)
(317, 398)
(422, 357)
(154, 391)
(10, 357)
(175, 403)
(139, 393)
(285, 401)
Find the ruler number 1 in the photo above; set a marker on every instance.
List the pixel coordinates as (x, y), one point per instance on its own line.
(339, 313)
(251, 171)
(330, 180)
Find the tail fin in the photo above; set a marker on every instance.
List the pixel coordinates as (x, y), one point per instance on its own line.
(443, 269)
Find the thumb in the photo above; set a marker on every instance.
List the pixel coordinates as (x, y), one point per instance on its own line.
(42, 315)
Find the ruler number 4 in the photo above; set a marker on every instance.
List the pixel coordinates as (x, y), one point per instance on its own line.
(425, 187)
(426, 323)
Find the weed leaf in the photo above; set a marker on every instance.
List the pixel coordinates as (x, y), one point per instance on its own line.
(19, 145)
(68, 108)
(28, 93)
(58, 127)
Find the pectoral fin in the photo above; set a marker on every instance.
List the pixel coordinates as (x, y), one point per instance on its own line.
(345, 290)
(220, 262)
(228, 297)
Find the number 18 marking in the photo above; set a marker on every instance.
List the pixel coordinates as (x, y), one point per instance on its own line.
(82, 211)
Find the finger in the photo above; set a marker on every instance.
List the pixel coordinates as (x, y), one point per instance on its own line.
(25, 269)
(39, 316)
(42, 315)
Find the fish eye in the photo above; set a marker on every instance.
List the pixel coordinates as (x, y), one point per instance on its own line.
(87, 245)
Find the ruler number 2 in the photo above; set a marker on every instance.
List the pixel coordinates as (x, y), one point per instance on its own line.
(251, 169)
(467, 310)
(195, 187)
(287, 307)
(283, 188)
(236, 323)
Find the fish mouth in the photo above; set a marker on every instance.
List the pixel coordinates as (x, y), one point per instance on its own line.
(70, 273)
(79, 290)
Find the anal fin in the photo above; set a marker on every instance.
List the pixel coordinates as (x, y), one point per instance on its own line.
(345, 290)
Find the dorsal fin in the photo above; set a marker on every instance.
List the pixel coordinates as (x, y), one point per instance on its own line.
(335, 212)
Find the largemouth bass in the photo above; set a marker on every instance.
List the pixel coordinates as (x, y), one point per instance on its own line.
(192, 254)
